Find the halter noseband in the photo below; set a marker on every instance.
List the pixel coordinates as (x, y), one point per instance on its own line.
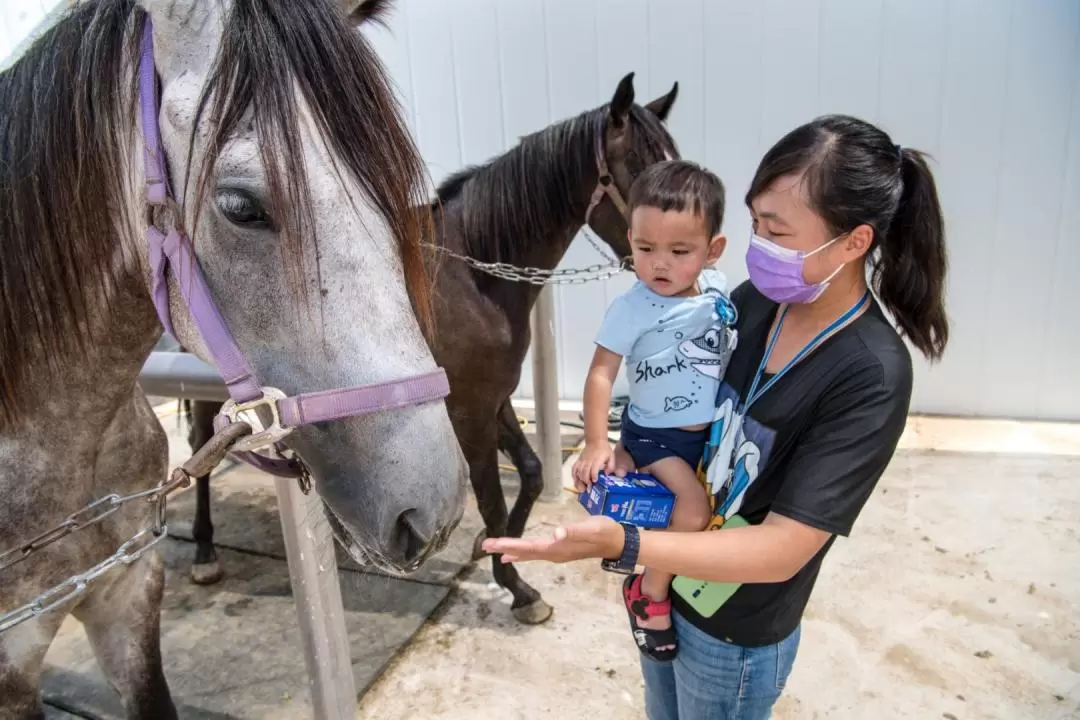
(172, 253)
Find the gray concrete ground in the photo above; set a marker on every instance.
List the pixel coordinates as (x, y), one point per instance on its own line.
(956, 597)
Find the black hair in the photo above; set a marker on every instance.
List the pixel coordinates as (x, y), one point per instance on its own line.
(680, 185)
(855, 175)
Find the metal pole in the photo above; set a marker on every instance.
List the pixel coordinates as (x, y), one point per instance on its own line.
(546, 392)
(309, 547)
(181, 375)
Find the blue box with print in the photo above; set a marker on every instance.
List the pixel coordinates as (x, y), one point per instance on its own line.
(637, 499)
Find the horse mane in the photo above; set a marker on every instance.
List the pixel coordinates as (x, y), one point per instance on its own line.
(508, 204)
(67, 120)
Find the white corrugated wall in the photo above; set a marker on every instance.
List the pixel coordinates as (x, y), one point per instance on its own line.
(991, 88)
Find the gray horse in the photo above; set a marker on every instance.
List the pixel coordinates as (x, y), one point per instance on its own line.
(298, 183)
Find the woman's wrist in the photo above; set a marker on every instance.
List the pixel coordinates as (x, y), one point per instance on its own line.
(613, 542)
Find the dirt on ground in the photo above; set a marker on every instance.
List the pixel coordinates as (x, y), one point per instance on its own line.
(956, 597)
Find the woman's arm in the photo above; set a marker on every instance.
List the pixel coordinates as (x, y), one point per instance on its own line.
(767, 553)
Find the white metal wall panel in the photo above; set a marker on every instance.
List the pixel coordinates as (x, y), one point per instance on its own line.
(991, 88)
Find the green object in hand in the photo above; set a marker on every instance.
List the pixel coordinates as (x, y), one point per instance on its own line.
(704, 596)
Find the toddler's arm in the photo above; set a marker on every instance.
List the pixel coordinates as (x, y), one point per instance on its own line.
(597, 454)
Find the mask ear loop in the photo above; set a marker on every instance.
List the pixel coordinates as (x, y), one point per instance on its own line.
(824, 284)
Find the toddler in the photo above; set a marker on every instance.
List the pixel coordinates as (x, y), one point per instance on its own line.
(675, 329)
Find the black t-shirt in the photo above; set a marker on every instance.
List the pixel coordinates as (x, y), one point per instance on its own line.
(811, 448)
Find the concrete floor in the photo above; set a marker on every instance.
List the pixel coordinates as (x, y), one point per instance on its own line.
(957, 596)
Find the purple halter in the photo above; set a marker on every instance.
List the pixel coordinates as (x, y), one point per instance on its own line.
(173, 253)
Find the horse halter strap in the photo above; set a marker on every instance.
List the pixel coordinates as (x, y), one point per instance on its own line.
(605, 184)
(173, 253)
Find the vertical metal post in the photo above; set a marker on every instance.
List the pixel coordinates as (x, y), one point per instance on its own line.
(309, 546)
(546, 392)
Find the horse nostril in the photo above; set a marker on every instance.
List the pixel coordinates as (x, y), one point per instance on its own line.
(411, 539)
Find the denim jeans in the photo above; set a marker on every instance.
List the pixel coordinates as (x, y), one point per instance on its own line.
(714, 680)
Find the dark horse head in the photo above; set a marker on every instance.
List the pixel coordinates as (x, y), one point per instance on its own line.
(524, 206)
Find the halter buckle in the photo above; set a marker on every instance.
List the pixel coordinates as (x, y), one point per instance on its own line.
(262, 435)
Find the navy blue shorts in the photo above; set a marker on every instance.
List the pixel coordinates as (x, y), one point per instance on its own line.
(647, 445)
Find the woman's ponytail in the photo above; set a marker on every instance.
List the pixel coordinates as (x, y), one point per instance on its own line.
(855, 175)
(909, 275)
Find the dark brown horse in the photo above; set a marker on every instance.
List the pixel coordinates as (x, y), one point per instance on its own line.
(523, 208)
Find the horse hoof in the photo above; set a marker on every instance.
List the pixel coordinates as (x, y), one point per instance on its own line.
(477, 550)
(534, 613)
(206, 573)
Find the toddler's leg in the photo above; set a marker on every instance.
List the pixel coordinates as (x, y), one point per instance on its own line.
(691, 513)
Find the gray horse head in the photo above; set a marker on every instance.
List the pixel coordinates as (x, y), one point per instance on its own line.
(297, 182)
(302, 187)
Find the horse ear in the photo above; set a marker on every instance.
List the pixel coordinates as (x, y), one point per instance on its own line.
(661, 106)
(372, 12)
(622, 100)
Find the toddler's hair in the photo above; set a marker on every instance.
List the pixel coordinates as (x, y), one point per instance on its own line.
(681, 185)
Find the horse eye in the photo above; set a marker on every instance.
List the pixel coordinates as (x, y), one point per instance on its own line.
(242, 209)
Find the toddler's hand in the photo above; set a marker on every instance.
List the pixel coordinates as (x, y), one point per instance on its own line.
(592, 460)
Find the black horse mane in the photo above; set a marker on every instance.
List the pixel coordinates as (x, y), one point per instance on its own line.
(508, 202)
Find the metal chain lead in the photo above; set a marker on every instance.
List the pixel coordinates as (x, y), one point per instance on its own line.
(71, 523)
(92, 514)
(76, 585)
(543, 276)
(83, 518)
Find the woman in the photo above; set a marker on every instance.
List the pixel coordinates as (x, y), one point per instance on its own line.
(809, 415)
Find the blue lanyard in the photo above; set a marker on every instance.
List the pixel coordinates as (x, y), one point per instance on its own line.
(834, 326)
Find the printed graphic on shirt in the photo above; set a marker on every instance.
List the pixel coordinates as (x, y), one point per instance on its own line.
(674, 404)
(737, 450)
(709, 353)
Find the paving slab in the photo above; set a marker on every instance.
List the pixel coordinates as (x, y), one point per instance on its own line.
(233, 650)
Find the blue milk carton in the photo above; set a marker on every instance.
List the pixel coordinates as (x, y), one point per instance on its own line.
(637, 499)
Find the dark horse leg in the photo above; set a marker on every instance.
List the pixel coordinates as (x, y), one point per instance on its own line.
(205, 570)
(527, 606)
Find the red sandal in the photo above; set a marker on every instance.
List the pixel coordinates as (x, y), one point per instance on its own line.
(643, 607)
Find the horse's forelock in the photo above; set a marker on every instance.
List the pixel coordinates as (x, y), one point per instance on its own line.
(67, 110)
(268, 50)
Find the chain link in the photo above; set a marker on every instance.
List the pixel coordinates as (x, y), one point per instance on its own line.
(76, 585)
(90, 515)
(70, 524)
(543, 276)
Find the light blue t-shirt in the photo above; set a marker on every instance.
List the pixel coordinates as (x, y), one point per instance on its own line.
(676, 350)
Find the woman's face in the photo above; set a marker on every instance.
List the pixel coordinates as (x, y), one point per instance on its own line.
(782, 215)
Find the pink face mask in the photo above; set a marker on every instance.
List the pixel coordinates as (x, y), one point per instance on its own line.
(778, 272)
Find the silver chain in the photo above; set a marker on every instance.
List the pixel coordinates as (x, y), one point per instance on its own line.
(76, 585)
(92, 514)
(543, 276)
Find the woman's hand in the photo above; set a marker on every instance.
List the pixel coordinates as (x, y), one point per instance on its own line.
(594, 458)
(597, 537)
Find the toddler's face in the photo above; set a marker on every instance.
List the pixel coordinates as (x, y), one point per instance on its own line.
(671, 248)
